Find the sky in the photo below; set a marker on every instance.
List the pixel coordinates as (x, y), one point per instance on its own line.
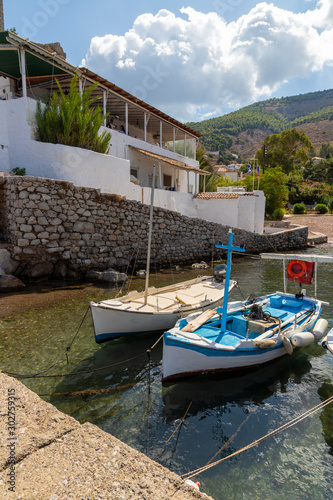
(192, 59)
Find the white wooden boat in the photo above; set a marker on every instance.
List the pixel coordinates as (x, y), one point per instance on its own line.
(132, 313)
(156, 310)
(249, 333)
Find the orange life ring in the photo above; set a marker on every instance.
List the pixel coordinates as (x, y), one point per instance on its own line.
(297, 274)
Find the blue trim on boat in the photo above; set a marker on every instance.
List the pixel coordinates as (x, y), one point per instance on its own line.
(105, 337)
(211, 352)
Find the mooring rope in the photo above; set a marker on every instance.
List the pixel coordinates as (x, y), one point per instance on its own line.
(229, 441)
(174, 432)
(293, 422)
(65, 353)
(83, 372)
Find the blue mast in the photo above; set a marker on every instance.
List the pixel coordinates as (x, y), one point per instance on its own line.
(230, 248)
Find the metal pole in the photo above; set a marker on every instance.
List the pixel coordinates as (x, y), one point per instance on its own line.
(230, 248)
(149, 235)
(284, 276)
(126, 118)
(23, 73)
(104, 106)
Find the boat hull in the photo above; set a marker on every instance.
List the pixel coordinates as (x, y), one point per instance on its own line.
(112, 323)
(181, 363)
(119, 318)
(188, 354)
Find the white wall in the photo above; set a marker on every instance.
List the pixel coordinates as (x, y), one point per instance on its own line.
(218, 210)
(244, 212)
(171, 200)
(4, 139)
(111, 173)
(55, 161)
(259, 212)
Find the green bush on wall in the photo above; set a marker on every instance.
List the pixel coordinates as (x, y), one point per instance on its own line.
(299, 208)
(278, 214)
(321, 208)
(72, 120)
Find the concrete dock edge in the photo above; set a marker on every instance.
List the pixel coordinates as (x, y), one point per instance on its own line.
(47, 455)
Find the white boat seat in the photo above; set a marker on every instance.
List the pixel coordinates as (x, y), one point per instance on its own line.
(192, 295)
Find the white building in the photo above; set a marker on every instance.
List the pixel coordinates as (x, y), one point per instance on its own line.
(141, 137)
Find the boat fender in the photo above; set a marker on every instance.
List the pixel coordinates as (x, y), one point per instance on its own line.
(265, 343)
(320, 328)
(195, 484)
(324, 342)
(287, 345)
(302, 339)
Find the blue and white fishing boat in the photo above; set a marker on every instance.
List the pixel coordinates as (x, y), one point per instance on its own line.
(249, 333)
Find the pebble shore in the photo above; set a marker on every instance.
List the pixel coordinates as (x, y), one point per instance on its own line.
(47, 455)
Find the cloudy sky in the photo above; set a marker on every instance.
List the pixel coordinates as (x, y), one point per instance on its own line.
(194, 59)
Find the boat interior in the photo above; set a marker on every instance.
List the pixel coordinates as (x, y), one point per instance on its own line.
(240, 326)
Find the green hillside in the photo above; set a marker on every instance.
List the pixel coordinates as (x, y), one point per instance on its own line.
(243, 130)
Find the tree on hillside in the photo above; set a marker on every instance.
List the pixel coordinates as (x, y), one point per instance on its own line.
(286, 150)
(326, 150)
(273, 184)
(319, 172)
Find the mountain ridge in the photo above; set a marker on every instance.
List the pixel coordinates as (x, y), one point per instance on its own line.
(243, 131)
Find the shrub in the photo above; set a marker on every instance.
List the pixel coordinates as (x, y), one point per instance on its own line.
(299, 208)
(321, 208)
(71, 120)
(278, 214)
(18, 171)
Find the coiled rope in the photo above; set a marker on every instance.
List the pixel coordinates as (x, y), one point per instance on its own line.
(284, 427)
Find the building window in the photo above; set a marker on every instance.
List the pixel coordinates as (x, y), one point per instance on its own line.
(134, 172)
(167, 180)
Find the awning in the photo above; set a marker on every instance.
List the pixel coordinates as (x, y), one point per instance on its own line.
(175, 163)
(43, 66)
(39, 62)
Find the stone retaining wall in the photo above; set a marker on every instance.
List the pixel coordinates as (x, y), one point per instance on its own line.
(75, 229)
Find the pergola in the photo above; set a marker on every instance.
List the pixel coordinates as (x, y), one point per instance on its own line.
(33, 67)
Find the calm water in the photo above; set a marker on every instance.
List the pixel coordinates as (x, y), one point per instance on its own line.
(296, 464)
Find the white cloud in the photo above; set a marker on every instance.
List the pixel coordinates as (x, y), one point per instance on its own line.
(195, 65)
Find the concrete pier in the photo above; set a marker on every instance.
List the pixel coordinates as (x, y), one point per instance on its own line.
(47, 455)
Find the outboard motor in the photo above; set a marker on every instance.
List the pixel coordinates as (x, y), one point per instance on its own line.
(220, 272)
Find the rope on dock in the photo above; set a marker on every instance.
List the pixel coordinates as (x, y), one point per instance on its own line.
(284, 427)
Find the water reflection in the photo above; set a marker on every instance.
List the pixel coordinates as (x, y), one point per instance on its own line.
(227, 412)
(326, 417)
(253, 386)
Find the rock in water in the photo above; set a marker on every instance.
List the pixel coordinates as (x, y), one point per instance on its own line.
(9, 283)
